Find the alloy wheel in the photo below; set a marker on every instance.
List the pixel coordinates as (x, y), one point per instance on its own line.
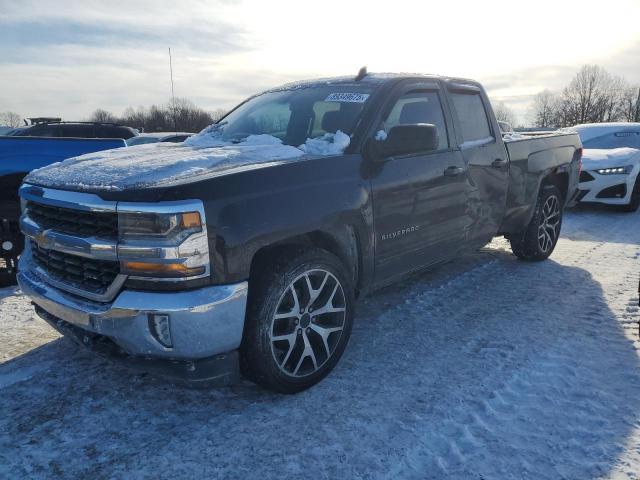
(549, 227)
(308, 323)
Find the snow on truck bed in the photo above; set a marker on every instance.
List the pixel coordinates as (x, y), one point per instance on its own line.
(163, 164)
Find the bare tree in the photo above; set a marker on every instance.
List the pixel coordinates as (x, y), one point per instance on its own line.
(504, 113)
(178, 114)
(186, 116)
(545, 109)
(103, 116)
(218, 113)
(135, 118)
(612, 98)
(10, 119)
(592, 96)
(630, 104)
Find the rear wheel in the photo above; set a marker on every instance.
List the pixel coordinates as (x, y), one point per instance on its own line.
(299, 320)
(539, 240)
(634, 203)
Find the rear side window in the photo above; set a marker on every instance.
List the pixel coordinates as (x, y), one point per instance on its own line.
(78, 131)
(472, 116)
(419, 107)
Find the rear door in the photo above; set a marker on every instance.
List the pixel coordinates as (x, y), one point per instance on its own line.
(419, 200)
(478, 137)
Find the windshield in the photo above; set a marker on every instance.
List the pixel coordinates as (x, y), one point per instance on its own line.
(629, 139)
(296, 115)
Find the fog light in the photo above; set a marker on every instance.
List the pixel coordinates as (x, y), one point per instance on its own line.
(7, 245)
(160, 329)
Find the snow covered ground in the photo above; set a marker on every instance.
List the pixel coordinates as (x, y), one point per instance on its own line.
(486, 368)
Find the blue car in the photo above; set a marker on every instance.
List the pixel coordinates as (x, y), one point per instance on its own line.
(18, 156)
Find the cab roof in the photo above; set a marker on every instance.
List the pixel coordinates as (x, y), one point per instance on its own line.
(370, 79)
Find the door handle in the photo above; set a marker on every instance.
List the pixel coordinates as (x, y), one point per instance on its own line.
(453, 171)
(498, 163)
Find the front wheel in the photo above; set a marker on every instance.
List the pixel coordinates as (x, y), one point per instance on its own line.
(634, 202)
(298, 321)
(539, 239)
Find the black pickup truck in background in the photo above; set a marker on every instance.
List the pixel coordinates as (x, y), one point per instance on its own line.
(245, 247)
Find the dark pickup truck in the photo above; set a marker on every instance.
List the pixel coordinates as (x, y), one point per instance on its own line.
(244, 248)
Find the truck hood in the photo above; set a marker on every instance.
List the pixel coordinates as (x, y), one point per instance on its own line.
(167, 164)
(157, 165)
(593, 159)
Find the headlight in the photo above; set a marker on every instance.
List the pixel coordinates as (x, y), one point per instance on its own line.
(615, 170)
(163, 246)
(167, 228)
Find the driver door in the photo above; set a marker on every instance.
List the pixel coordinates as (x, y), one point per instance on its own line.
(419, 199)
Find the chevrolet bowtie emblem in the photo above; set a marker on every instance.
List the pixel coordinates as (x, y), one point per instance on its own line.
(42, 239)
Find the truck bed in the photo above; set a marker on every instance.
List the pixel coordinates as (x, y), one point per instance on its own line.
(530, 159)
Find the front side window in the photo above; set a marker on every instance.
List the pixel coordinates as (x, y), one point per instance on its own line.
(472, 116)
(419, 107)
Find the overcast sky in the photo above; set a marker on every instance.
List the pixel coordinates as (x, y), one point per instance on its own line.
(67, 58)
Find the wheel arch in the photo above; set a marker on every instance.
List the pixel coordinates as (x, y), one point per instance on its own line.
(558, 178)
(342, 242)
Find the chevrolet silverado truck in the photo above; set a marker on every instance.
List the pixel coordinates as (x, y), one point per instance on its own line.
(243, 249)
(18, 156)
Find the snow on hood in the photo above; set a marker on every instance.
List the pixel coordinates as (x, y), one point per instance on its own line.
(615, 157)
(163, 164)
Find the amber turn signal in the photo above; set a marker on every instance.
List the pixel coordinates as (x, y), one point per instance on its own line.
(160, 269)
(191, 220)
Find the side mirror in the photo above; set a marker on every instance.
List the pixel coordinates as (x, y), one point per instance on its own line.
(407, 139)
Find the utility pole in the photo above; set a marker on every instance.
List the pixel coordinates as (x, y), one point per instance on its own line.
(173, 97)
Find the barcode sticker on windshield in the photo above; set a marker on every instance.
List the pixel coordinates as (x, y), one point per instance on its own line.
(347, 97)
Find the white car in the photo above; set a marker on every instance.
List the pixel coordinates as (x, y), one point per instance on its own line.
(610, 164)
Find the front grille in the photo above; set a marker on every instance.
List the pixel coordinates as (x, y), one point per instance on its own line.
(586, 176)
(93, 276)
(74, 222)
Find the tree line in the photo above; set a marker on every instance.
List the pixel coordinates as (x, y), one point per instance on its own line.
(180, 115)
(10, 119)
(592, 96)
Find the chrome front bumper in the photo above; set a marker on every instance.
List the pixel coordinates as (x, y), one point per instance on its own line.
(204, 322)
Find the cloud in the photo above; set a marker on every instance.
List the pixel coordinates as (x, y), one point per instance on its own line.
(517, 88)
(70, 57)
(38, 41)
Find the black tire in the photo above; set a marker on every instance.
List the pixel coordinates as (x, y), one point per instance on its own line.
(634, 203)
(263, 358)
(528, 245)
(7, 279)
(9, 235)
